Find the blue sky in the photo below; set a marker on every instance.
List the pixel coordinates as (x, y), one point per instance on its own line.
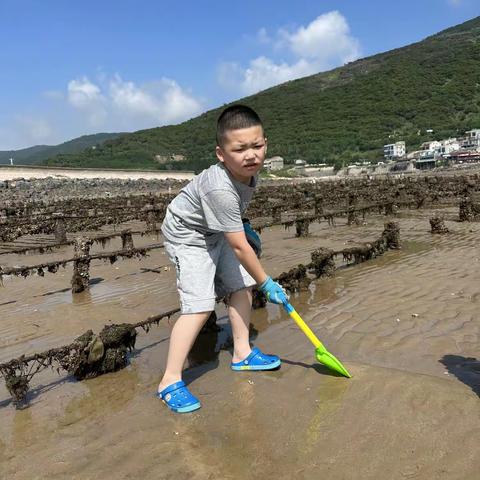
(73, 68)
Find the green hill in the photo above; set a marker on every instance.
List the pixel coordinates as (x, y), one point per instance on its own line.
(342, 115)
(38, 153)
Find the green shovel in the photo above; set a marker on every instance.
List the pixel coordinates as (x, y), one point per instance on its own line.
(322, 354)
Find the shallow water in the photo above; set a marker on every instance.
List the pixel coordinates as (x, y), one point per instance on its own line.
(404, 324)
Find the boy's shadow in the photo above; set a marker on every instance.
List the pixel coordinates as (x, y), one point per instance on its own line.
(203, 356)
(466, 369)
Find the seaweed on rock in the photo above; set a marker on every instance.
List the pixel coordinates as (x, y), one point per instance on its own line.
(295, 279)
(437, 225)
(323, 262)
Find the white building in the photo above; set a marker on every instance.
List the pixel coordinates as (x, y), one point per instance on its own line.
(473, 134)
(449, 145)
(274, 163)
(433, 146)
(394, 150)
(472, 139)
(300, 166)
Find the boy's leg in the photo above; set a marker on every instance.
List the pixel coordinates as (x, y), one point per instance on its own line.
(195, 270)
(232, 277)
(184, 333)
(239, 312)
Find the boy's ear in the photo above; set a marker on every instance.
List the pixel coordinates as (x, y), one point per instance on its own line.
(219, 153)
(266, 145)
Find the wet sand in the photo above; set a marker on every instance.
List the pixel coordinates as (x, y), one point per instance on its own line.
(404, 324)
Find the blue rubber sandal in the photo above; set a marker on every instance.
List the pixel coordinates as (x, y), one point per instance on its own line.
(257, 360)
(178, 398)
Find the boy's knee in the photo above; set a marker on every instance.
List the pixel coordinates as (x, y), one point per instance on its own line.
(241, 295)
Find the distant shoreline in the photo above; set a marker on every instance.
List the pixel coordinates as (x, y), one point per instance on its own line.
(9, 172)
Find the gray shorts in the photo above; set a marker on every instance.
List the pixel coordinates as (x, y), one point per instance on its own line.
(205, 273)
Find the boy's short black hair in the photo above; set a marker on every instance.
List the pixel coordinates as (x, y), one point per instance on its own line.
(236, 117)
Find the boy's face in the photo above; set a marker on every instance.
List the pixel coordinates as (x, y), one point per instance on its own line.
(243, 152)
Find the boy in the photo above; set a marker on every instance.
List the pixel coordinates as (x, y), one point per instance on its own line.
(206, 240)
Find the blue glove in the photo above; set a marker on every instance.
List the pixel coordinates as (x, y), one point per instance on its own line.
(252, 238)
(273, 291)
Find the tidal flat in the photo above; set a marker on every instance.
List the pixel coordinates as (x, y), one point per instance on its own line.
(404, 324)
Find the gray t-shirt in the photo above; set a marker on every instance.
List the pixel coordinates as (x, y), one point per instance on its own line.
(212, 203)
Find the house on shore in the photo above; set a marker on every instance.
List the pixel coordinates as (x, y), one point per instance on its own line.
(394, 150)
(274, 163)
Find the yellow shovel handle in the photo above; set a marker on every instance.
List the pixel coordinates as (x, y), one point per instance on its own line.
(305, 329)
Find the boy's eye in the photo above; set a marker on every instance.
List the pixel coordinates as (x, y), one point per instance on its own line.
(242, 149)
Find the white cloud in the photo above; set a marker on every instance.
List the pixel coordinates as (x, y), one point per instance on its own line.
(84, 95)
(129, 98)
(326, 39)
(115, 103)
(106, 104)
(163, 101)
(262, 73)
(323, 44)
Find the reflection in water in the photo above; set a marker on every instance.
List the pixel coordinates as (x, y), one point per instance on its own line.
(22, 429)
(82, 298)
(323, 291)
(240, 447)
(329, 400)
(105, 395)
(99, 397)
(110, 393)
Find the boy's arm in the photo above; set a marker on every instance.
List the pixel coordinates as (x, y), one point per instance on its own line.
(246, 256)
